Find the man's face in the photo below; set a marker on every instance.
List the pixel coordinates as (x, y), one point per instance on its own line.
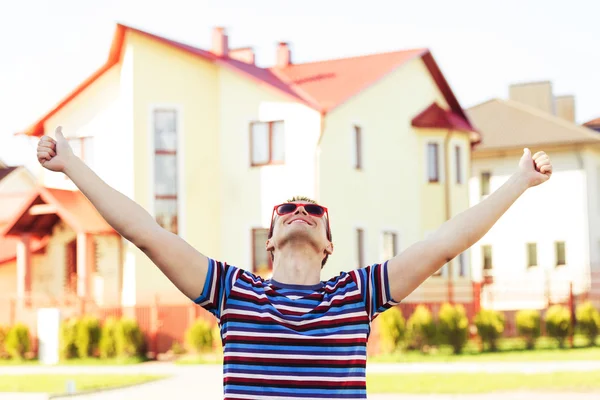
(300, 226)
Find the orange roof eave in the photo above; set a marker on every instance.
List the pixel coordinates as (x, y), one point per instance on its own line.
(37, 128)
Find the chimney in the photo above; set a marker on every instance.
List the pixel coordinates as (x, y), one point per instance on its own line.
(220, 42)
(534, 94)
(565, 107)
(245, 55)
(284, 55)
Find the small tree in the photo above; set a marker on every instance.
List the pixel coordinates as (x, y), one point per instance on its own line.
(108, 342)
(421, 329)
(454, 326)
(490, 326)
(558, 323)
(129, 339)
(68, 338)
(588, 321)
(528, 326)
(17, 342)
(199, 337)
(3, 333)
(392, 328)
(87, 337)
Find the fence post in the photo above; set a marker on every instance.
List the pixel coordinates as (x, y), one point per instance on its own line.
(572, 312)
(13, 311)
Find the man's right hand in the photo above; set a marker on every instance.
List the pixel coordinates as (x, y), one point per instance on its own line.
(54, 155)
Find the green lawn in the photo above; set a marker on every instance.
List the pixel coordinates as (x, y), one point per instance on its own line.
(77, 361)
(58, 383)
(509, 350)
(460, 383)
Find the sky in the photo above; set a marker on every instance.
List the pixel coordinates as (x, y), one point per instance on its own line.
(47, 47)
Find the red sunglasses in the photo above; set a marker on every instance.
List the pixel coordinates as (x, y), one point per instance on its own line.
(312, 209)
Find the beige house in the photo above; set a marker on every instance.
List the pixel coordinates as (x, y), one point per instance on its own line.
(550, 238)
(208, 142)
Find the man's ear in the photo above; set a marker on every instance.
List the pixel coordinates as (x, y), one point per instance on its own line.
(329, 248)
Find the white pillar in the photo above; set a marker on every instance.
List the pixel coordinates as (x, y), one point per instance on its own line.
(23, 269)
(85, 263)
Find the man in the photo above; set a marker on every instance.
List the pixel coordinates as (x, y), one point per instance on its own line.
(293, 336)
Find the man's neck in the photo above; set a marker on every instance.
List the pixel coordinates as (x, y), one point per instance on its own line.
(297, 266)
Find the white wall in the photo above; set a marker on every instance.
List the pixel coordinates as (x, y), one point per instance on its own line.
(249, 193)
(591, 159)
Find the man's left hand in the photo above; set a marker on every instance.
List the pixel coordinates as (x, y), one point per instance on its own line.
(535, 170)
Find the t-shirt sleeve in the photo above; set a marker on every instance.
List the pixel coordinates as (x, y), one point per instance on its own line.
(373, 284)
(220, 278)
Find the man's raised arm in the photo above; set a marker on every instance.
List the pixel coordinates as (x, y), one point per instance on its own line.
(412, 267)
(180, 262)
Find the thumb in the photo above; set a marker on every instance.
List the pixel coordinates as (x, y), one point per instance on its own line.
(58, 133)
(526, 153)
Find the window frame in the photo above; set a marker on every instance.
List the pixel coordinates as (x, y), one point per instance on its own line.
(437, 178)
(270, 160)
(357, 138)
(483, 257)
(394, 243)
(528, 255)
(253, 252)
(556, 258)
(489, 181)
(458, 168)
(179, 197)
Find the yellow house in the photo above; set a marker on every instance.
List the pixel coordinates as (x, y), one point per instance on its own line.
(208, 142)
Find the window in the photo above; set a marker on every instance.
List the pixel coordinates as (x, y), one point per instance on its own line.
(165, 169)
(532, 255)
(485, 183)
(357, 147)
(262, 264)
(267, 143)
(462, 265)
(458, 164)
(390, 245)
(561, 257)
(433, 168)
(486, 251)
(360, 245)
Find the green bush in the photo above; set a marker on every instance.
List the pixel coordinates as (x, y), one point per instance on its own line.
(454, 326)
(392, 329)
(490, 326)
(129, 341)
(528, 326)
(87, 337)
(199, 337)
(420, 329)
(68, 338)
(3, 333)
(558, 323)
(108, 344)
(17, 342)
(588, 321)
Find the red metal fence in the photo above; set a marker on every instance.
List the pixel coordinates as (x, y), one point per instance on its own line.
(164, 324)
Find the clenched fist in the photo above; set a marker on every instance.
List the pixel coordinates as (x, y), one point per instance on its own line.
(53, 154)
(535, 169)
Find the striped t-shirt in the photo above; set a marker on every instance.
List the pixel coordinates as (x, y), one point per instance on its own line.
(295, 341)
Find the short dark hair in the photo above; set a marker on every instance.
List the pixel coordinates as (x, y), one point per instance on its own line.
(328, 229)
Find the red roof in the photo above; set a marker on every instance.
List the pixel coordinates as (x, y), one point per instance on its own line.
(12, 203)
(71, 206)
(320, 85)
(435, 116)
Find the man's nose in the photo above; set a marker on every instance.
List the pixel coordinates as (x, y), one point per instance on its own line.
(300, 209)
